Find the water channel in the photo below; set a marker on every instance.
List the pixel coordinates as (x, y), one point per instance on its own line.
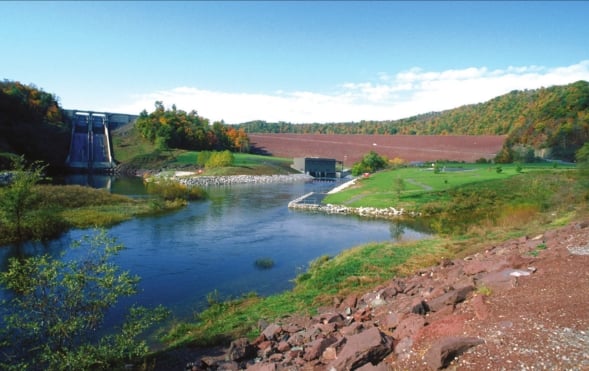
(213, 245)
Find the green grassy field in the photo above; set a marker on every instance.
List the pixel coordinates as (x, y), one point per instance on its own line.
(422, 185)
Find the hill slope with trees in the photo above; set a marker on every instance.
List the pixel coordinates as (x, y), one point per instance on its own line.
(552, 122)
(32, 124)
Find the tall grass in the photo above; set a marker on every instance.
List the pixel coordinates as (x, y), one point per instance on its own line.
(171, 190)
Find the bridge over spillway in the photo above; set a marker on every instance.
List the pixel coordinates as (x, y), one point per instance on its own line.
(90, 146)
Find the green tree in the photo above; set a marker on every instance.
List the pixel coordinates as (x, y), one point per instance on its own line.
(370, 163)
(220, 159)
(399, 186)
(56, 306)
(202, 158)
(582, 158)
(18, 197)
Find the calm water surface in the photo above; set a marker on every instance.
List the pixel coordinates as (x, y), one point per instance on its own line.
(213, 244)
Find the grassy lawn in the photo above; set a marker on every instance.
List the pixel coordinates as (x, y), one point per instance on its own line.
(243, 164)
(422, 185)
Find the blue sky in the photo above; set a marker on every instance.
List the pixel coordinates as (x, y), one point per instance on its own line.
(300, 61)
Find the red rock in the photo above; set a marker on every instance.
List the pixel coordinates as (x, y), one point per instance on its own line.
(450, 298)
(443, 351)
(404, 346)
(388, 292)
(329, 354)
(362, 315)
(265, 345)
(262, 367)
(292, 328)
(327, 328)
(314, 349)
(294, 353)
(350, 301)
(370, 367)
(352, 329)
(240, 350)
(479, 266)
(481, 309)
(369, 346)
(409, 326)
(333, 318)
(498, 280)
(391, 321)
(258, 340)
(272, 331)
(283, 347)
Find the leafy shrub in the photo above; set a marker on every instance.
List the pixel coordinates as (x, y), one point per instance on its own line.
(56, 307)
(220, 159)
(370, 163)
(170, 190)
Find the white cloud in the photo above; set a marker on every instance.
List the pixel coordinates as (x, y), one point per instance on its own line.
(404, 94)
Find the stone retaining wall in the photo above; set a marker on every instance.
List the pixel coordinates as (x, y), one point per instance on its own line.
(204, 181)
(387, 212)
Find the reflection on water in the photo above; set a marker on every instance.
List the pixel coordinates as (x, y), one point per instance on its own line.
(99, 181)
(213, 244)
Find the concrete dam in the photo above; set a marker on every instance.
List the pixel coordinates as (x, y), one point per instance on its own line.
(90, 146)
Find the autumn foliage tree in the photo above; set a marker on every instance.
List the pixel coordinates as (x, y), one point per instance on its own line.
(32, 124)
(174, 128)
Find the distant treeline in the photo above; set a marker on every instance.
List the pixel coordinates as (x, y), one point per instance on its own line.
(555, 119)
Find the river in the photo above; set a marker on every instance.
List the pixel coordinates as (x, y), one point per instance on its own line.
(213, 244)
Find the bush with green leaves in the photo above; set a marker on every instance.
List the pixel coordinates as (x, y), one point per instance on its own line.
(582, 158)
(19, 218)
(370, 163)
(54, 308)
(219, 159)
(170, 190)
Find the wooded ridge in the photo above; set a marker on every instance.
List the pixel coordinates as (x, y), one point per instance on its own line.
(553, 119)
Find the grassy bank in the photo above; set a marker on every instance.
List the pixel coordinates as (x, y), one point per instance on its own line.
(489, 207)
(352, 271)
(58, 208)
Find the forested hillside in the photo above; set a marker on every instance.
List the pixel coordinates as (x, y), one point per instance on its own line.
(554, 119)
(32, 124)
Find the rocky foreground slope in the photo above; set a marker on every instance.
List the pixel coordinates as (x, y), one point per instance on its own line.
(520, 305)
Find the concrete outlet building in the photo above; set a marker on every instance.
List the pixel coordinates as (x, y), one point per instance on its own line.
(316, 166)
